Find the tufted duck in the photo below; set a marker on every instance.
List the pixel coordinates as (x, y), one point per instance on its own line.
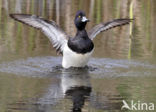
(76, 51)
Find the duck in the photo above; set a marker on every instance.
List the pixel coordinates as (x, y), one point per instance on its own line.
(76, 51)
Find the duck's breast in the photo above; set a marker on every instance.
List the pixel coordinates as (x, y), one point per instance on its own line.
(73, 59)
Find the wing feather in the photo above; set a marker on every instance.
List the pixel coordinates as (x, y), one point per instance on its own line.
(56, 36)
(106, 26)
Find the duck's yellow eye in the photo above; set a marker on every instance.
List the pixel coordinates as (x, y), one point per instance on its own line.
(79, 16)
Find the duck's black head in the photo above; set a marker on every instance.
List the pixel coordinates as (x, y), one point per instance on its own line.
(80, 20)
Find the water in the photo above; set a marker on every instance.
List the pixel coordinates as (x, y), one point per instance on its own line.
(31, 76)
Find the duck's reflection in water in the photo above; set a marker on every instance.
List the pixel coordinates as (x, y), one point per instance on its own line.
(71, 90)
(79, 95)
(73, 84)
(77, 87)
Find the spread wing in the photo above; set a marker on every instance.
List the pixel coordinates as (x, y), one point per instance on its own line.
(106, 26)
(56, 36)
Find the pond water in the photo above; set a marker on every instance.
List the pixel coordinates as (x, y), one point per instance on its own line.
(123, 65)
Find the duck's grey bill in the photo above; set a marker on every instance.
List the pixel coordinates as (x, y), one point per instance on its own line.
(84, 19)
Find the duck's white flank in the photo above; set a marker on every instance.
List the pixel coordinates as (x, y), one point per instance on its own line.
(73, 59)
